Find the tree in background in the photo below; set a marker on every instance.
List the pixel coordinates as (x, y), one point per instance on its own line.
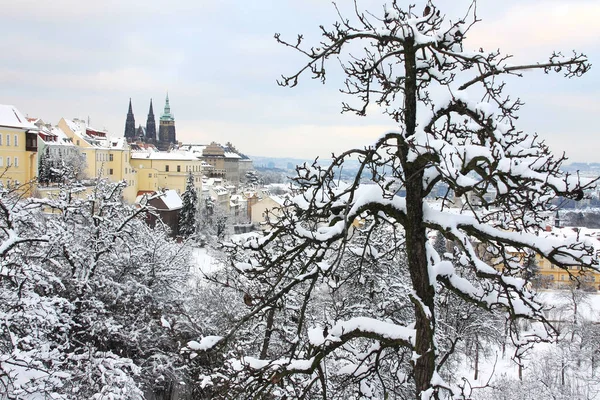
(44, 168)
(187, 215)
(213, 218)
(456, 126)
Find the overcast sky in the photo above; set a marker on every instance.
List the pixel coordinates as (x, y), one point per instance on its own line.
(219, 62)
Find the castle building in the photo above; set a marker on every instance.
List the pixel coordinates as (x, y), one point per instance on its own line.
(166, 129)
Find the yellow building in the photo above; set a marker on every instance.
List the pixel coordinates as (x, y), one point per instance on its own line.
(166, 170)
(18, 147)
(104, 157)
(553, 276)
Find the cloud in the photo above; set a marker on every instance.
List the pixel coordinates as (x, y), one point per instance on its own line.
(120, 79)
(539, 26)
(89, 12)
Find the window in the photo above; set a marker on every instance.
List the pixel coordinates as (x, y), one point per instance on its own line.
(149, 175)
(16, 140)
(179, 168)
(110, 171)
(110, 157)
(77, 142)
(0, 139)
(16, 162)
(8, 140)
(1, 162)
(8, 161)
(166, 168)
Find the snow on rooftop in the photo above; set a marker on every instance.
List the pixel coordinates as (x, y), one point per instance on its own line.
(161, 155)
(277, 199)
(172, 199)
(11, 117)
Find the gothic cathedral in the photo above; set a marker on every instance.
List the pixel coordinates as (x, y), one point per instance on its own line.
(166, 131)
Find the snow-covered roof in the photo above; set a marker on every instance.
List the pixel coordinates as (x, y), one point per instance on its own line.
(219, 190)
(194, 148)
(162, 155)
(278, 200)
(61, 138)
(12, 118)
(118, 143)
(80, 128)
(172, 199)
(231, 155)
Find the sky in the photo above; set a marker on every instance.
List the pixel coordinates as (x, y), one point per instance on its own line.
(219, 63)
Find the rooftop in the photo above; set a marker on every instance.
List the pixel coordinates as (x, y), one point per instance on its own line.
(12, 118)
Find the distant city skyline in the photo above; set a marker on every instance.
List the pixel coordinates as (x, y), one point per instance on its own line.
(219, 63)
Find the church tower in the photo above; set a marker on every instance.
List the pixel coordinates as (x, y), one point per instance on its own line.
(151, 126)
(166, 129)
(130, 125)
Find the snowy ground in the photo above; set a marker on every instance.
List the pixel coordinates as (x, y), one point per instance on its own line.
(205, 263)
(495, 365)
(498, 366)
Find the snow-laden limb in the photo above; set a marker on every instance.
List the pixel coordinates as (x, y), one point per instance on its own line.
(206, 343)
(360, 250)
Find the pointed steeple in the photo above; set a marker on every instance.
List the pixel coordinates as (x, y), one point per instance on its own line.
(151, 126)
(130, 124)
(167, 106)
(166, 116)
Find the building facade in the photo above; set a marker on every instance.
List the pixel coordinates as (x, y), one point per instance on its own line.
(18, 148)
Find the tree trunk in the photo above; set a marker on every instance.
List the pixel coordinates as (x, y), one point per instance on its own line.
(268, 331)
(416, 237)
(476, 375)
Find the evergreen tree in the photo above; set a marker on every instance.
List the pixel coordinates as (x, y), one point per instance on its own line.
(44, 167)
(187, 215)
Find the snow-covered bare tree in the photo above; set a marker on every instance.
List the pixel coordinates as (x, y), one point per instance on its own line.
(187, 215)
(91, 297)
(457, 127)
(212, 219)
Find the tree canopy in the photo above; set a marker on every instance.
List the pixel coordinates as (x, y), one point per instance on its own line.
(457, 126)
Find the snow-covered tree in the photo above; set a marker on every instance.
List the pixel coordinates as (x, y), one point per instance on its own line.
(44, 167)
(187, 215)
(457, 127)
(91, 298)
(212, 219)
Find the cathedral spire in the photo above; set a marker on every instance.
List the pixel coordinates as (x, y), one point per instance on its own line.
(151, 126)
(167, 106)
(130, 124)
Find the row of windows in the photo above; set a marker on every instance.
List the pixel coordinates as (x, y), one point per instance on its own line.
(7, 137)
(103, 157)
(8, 162)
(193, 168)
